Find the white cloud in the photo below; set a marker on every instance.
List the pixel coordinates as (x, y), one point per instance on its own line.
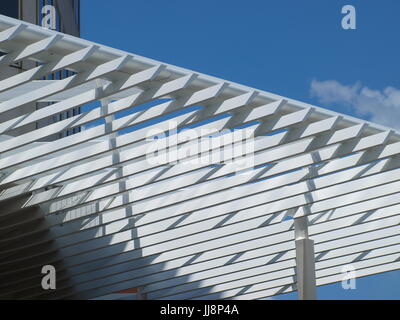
(379, 106)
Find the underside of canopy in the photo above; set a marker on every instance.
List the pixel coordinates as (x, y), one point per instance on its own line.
(92, 204)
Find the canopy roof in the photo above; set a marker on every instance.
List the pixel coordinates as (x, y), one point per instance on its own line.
(95, 207)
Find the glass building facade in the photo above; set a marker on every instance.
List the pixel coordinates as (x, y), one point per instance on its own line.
(10, 8)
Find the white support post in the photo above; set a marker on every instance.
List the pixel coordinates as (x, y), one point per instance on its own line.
(116, 160)
(305, 260)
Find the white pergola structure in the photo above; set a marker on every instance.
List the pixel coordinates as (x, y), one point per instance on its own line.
(322, 193)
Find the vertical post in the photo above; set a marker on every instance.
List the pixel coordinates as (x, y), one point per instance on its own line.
(305, 260)
(116, 159)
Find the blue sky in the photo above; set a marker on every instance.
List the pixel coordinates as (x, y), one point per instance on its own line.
(293, 48)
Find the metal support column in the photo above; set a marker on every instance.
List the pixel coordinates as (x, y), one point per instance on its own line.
(119, 169)
(305, 260)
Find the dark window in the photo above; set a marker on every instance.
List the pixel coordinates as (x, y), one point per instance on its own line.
(9, 8)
